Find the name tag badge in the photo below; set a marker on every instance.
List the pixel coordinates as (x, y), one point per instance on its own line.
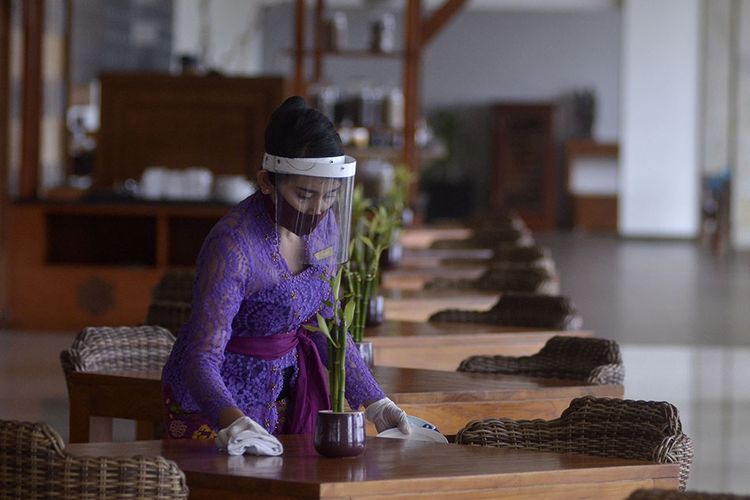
(326, 252)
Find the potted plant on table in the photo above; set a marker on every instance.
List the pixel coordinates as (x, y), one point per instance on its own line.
(338, 433)
(395, 203)
(373, 233)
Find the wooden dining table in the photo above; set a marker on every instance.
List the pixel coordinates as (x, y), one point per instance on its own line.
(395, 468)
(422, 237)
(447, 399)
(419, 305)
(433, 257)
(415, 278)
(443, 345)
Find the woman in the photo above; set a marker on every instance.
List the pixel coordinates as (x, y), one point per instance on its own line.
(243, 364)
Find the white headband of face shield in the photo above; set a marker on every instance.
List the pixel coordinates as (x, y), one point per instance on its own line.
(333, 166)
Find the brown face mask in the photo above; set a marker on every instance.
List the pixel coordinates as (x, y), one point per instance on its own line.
(292, 219)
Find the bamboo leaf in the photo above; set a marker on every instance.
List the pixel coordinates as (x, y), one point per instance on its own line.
(323, 328)
(349, 314)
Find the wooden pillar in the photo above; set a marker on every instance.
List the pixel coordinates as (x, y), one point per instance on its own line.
(318, 61)
(5, 27)
(66, 78)
(31, 101)
(412, 70)
(298, 86)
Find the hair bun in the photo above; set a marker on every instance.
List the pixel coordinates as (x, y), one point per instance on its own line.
(294, 103)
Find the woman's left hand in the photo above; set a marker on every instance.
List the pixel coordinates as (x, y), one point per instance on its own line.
(385, 415)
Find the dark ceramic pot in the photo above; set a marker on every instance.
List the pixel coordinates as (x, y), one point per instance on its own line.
(340, 434)
(375, 311)
(366, 351)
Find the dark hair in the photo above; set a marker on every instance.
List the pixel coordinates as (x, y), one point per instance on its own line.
(296, 130)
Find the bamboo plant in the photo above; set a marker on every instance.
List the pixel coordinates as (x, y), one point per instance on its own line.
(335, 330)
(373, 230)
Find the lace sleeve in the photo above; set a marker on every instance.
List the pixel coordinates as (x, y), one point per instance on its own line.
(217, 293)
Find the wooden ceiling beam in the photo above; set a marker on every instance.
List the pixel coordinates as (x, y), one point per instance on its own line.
(438, 19)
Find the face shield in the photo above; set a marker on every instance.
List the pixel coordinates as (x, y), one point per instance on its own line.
(313, 199)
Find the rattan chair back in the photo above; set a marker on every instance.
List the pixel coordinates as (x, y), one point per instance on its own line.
(662, 494)
(168, 314)
(592, 360)
(606, 427)
(125, 348)
(33, 464)
(509, 278)
(555, 312)
(176, 285)
(509, 256)
(519, 253)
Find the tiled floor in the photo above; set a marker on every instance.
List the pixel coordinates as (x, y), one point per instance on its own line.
(681, 316)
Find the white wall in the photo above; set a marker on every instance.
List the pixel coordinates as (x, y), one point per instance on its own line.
(227, 33)
(660, 118)
(486, 56)
(718, 84)
(740, 205)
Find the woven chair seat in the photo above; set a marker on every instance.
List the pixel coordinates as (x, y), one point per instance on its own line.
(605, 427)
(176, 285)
(595, 361)
(530, 310)
(33, 464)
(508, 257)
(125, 348)
(168, 314)
(519, 253)
(493, 221)
(512, 278)
(661, 494)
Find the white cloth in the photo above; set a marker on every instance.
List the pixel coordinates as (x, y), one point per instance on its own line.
(245, 435)
(386, 415)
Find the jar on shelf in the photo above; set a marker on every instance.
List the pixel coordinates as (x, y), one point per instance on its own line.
(370, 103)
(393, 109)
(383, 34)
(336, 32)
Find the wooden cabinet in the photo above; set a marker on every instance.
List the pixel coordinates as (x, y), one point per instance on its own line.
(78, 264)
(216, 122)
(591, 175)
(524, 173)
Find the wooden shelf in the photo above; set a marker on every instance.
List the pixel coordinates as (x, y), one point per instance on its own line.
(393, 154)
(352, 54)
(89, 264)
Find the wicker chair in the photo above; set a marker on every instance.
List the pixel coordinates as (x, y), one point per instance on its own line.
(125, 348)
(33, 464)
(168, 314)
(176, 285)
(555, 312)
(512, 278)
(595, 361)
(605, 427)
(660, 494)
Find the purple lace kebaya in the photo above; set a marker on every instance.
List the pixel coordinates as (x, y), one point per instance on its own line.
(243, 287)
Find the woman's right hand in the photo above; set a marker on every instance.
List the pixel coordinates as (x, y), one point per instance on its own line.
(245, 435)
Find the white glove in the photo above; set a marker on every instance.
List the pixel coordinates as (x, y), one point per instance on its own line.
(386, 415)
(245, 435)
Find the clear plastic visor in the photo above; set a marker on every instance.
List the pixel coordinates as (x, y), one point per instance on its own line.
(317, 209)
